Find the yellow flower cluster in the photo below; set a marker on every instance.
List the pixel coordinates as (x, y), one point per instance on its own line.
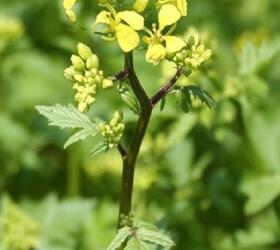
(128, 28)
(19, 231)
(125, 26)
(86, 76)
(192, 55)
(113, 130)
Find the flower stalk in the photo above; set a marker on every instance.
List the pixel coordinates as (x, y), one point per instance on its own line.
(129, 161)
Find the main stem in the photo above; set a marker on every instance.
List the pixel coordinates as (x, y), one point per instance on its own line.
(129, 160)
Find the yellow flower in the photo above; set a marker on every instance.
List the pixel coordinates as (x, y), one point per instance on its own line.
(168, 15)
(181, 6)
(68, 5)
(124, 26)
(140, 5)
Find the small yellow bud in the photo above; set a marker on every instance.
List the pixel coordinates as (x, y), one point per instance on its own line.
(107, 83)
(116, 118)
(84, 51)
(78, 77)
(71, 15)
(69, 73)
(92, 62)
(77, 63)
(140, 5)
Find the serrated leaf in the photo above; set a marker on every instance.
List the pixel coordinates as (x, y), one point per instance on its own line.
(135, 244)
(144, 224)
(81, 135)
(121, 236)
(201, 94)
(99, 148)
(154, 237)
(129, 99)
(64, 116)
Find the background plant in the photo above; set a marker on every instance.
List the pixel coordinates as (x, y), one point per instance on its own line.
(203, 182)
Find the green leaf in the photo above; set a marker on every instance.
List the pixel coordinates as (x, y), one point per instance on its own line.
(129, 98)
(81, 135)
(61, 222)
(121, 236)
(201, 94)
(254, 58)
(154, 237)
(99, 148)
(185, 101)
(135, 244)
(162, 103)
(261, 193)
(65, 117)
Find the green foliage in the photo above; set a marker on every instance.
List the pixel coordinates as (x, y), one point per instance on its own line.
(138, 238)
(184, 97)
(69, 117)
(120, 237)
(260, 193)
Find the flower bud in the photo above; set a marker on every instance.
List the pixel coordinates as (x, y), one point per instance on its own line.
(107, 83)
(69, 73)
(140, 5)
(77, 63)
(71, 15)
(84, 51)
(92, 62)
(78, 77)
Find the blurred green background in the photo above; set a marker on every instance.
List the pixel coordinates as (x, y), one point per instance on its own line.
(210, 178)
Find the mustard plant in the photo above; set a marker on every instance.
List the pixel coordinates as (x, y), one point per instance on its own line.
(126, 23)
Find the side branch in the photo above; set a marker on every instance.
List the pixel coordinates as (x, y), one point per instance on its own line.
(130, 158)
(120, 75)
(135, 83)
(166, 88)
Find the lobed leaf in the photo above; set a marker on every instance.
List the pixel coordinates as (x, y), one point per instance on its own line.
(121, 236)
(154, 237)
(81, 135)
(136, 244)
(65, 116)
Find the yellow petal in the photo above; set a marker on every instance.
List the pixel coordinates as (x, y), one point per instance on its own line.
(127, 37)
(140, 5)
(68, 4)
(174, 43)
(168, 15)
(182, 7)
(132, 18)
(155, 53)
(104, 17)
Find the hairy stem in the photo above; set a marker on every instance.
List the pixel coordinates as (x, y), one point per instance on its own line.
(129, 160)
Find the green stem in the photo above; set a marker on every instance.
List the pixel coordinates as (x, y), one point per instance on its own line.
(129, 160)
(73, 175)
